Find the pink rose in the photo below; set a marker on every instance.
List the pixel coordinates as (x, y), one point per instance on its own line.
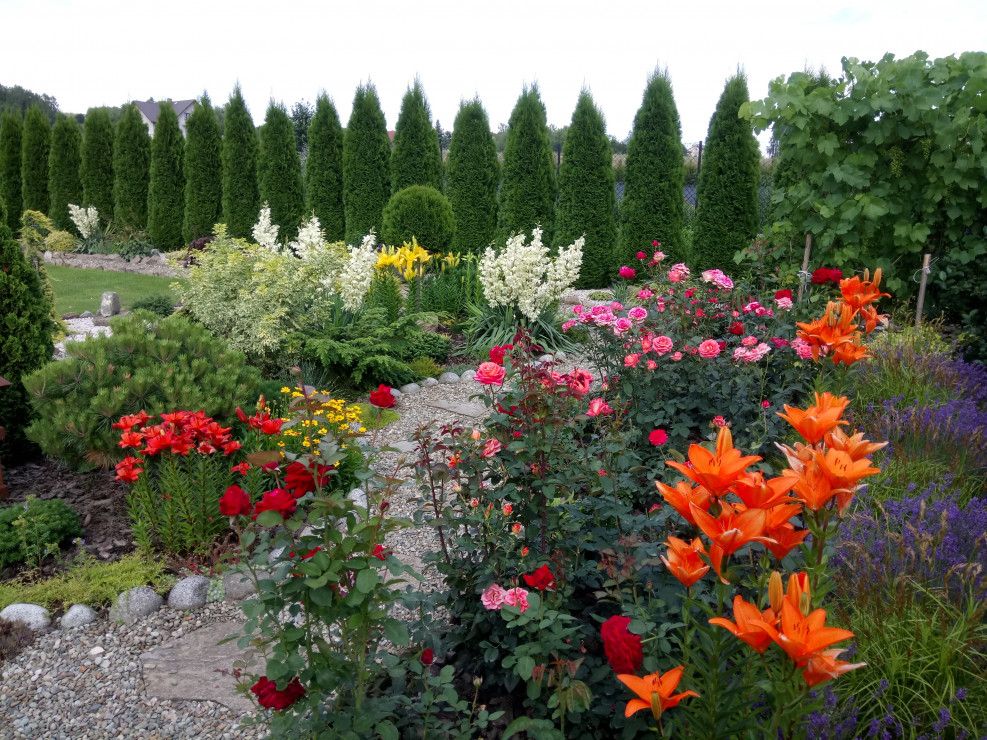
(616, 306)
(749, 341)
(494, 597)
(579, 381)
(516, 597)
(709, 349)
(652, 364)
(719, 421)
(676, 356)
(567, 325)
(622, 325)
(490, 373)
(598, 407)
(784, 304)
(662, 345)
(491, 448)
(659, 256)
(644, 294)
(779, 342)
(578, 309)
(802, 347)
(631, 360)
(638, 313)
(627, 273)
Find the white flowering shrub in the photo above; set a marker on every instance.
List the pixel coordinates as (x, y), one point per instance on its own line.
(264, 232)
(86, 220)
(524, 277)
(311, 239)
(354, 279)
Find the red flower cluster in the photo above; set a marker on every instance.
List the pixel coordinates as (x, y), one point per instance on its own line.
(261, 421)
(235, 502)
(180, 432)
(623, 648)
(278, 500)
(299, 479)
(824, 275)
(779, 294)
(269, 697)
(541, 579)
(382, 398)
(497, 353)
(127, 469)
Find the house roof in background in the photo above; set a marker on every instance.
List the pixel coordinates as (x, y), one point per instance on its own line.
(151, 108)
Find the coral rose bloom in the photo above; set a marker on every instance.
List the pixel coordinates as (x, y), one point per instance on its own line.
(490, 373)
(662, 345)
(709, 349)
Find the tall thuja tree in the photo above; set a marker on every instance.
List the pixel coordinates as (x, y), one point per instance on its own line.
(11, 135)
(64, 182)
(726, 197)
(241, 196)
(528, 190)
(416, 159)
(366, 165)
(587, 198)
(281, 179)
(472, 176)
(166, 190)
(97, 162)
(324, 169)
(35, 148)
(203, 171)
(131, 170)
(652, 207)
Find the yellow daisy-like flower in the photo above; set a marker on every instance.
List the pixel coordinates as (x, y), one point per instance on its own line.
(286, 389)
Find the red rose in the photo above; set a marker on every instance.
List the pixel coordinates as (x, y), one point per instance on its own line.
(277, 500)
(234, 502)
(835, 275)
(626, 272)
(380, 552)
(623, 648)
(300, 479)
(658, 437)
(541, 579)
(820, 276)
(428, 656)
(723, 345)
(269, 697)
(779, 294)
(736, 328)
(382, 398)
(641, 255)
(497, 353)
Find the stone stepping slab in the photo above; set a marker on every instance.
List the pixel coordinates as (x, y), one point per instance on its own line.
(459, 409)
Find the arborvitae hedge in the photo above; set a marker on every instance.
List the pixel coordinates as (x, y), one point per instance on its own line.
(528, 190)
(11, 135)
(35, 148)
(97, 162)
(472, 176)
(203, 171)
(241, 196)
(416, 159)
(166, 191)
(421, 212)
(281, 175)
(64, 182)
(324, 170)
(366, 166)
(652, 206)
(727, 206)
(587, 198)
(132, 170)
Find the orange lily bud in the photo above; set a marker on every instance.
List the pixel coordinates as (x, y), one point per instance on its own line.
(776, 593)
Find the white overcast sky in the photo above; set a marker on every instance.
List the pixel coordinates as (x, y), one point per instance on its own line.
(105, 52)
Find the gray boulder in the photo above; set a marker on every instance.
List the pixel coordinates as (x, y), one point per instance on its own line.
(448, 378)
(78, 615)
(34, 616)
(358, 496)
(429, 383)
(135, 604)
(238, 586)
(189, 593)
(109, 304)
(410, 389)
(86, 315)
(468, 375)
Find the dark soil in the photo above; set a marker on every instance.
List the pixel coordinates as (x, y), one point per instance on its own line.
(457, 352)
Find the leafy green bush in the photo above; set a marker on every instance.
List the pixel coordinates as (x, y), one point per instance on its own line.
(385, 293)
(60, 241)
(132, 244)
(148, 363)
(425, 367)
(35, 228)
(29, 530)
(421, 212)
(427, 344)
(156, 303)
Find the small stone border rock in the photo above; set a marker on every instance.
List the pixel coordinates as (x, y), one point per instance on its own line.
(157, 264)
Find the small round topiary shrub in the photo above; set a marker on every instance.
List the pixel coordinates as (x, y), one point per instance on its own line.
(60, 241)
(420, 212)
(156, 303)
(27, 530)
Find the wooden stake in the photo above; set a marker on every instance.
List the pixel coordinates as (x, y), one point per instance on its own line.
(805, 264)
(921, 290)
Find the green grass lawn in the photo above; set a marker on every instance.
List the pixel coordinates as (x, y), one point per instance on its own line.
(78, 290)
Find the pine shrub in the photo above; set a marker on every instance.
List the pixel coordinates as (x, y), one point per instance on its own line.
(415, 159)
(528, 190)
(281, 178)
(97, 163)
(166, 189)
(653, 203)
(587, 198)
(132, 170)
(203, 171)
(35, 148)
(472, 177)
(241, 197)
(64, 182)
(420, 212)
(727, 206)
(366, 166)
(324, 170)
(26, 530)
(11, 135)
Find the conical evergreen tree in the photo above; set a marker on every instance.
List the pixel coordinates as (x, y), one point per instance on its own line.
(203, 171)
(587, 197)
(35, 148)
(473, 175)
(652, 207)
(241, 196)
(64, 183)
(416, 159)
(528, 190)
(727, 207)
(281, 183)
(97, 162)
(11, 145)
(324, 170)
(166, 189)
(132, 170)
(366, 166)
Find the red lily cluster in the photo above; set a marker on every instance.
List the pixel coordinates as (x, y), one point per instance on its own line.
(261, 421)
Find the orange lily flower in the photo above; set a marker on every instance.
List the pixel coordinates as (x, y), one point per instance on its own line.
(784, 538)
(757, 493)
(654, 691)
(683, 560)
(834, 328)
(801, 636)
(682, 495)
(798, 592)
(824, 665)
(718, 470)
(779, 515)
(820, 418)
(814, 488)
(841, 470)
(855, 446)
(872, 318)
(745, 629)
(797, 457)
(732, 529)
(850, 352)
(858, 293)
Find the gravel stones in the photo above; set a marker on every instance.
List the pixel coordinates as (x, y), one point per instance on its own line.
(134, 604)
(189, 593)
(448, 378)
(78, 615)
(410, 389)
(34, 616)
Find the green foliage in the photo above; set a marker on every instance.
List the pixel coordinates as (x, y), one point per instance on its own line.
(97, 163)
(34, 229)
(15, 98)
(203, 171)
(425, 367)
(385, 293)
(157, 303)
(421, 212)
(472, 177)
(35, 148)
(60, 241)
(29, 530)
(324, 170)
(11, 133)
(241, 197)
(427, 344)
(132, 170)
(447, 292)
(148, 363)
(652, 206)
(587, 198)
(957, 291)
(166, 189)
(64, 183)
(726, 196)
(415, 159)
(528, 190)
(366, 166)
(281, 174)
